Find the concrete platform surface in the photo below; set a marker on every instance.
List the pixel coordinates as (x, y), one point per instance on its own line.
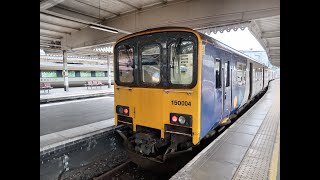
(58, 94)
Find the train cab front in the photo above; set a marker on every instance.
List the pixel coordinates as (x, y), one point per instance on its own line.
(156, 92)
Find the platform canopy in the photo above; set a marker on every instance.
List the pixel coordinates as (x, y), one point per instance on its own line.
(80, 26)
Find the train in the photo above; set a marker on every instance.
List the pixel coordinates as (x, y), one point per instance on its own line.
(175, 86)
(79, 74)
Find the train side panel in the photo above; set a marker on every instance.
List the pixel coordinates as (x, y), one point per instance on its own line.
(211, 98)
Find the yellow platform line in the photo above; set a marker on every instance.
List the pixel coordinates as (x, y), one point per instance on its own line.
(275, 157)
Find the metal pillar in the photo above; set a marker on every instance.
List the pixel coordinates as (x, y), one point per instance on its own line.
(65, 71)
(109, 74)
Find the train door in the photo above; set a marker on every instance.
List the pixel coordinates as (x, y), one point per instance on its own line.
(219, 88)
(226, 89)
(250, 80)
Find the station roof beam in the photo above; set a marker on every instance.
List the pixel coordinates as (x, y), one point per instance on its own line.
(267, 32)
(46, 4)
(84, 22)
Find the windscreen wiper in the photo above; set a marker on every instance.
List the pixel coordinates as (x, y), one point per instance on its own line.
(176, 52)
(127, 47)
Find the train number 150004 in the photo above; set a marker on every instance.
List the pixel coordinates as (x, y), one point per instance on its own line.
(181, 103)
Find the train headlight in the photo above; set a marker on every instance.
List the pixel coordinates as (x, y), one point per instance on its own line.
(120, 110)
(182, 120)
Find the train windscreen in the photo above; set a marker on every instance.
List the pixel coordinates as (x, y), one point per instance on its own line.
(163, 60)
(125, 63)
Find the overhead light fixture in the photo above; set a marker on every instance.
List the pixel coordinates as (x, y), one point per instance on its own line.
(104, 49)
(103, 29)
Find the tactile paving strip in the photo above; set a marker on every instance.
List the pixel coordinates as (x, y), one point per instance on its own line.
(256, 163)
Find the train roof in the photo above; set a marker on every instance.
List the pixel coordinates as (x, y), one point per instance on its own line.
(154, 30)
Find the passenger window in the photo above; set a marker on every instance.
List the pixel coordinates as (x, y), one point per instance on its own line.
(85, 73)
(217, 67)
(244, 71)
(181, 62)
(71, 74)
(125, 64)
(241, 73)
(150, 63)
(48, 74)
(227, 73)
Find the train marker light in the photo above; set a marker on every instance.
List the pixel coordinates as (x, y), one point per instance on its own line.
(122, 110)
(181, 119)
(174, 118)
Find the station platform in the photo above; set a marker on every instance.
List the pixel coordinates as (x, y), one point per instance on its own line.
(58, 94)
(79, 131)
(248, 149)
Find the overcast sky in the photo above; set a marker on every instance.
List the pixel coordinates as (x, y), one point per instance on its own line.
(240, 39)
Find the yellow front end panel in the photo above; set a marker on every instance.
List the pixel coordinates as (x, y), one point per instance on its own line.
(152, 107)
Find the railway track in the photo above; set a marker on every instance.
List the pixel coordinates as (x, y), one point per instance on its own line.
(130, 171)
(114, 172)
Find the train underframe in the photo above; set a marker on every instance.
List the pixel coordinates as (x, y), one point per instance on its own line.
(147, 142)
(146, 148)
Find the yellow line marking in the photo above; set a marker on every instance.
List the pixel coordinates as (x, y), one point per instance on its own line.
(275, 157)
